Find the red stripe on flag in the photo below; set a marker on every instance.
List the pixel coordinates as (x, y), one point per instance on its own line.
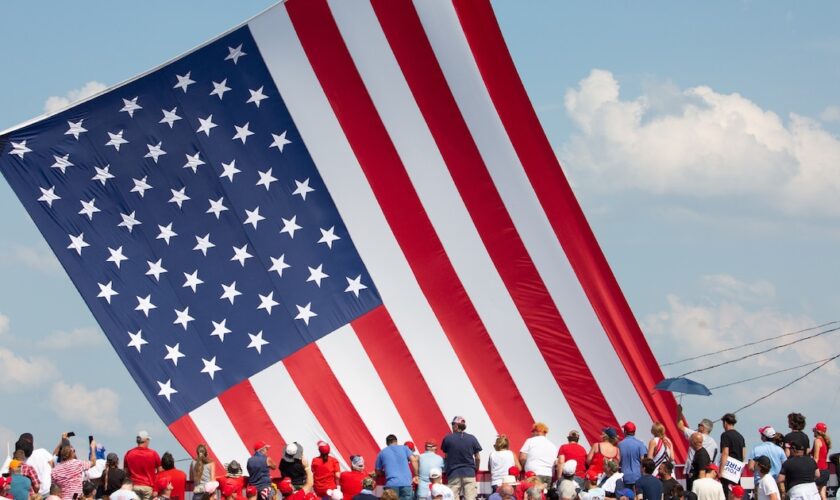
(250, 418)
(404, 212)
(187, 433)
(400, 375)
(329, 403)
(428, 85)
(560, 205)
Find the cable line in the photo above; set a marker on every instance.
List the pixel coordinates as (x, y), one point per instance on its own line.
(769, 374)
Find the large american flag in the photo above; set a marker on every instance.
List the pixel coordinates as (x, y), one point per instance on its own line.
(337, 221)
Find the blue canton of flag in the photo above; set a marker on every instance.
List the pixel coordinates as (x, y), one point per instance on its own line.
(191, 218)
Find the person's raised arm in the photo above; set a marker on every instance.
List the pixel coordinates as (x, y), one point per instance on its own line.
(92, 455)
(680, 419)
(61, 440)
(308, 486)
(270, 462)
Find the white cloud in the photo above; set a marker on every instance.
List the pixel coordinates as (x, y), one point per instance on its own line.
(830, 114)
(37, 257)
(96, 408)
(4, 323)
(730, 287)
(699, 143)
(55, 103)
(79, 337)
(21, 373)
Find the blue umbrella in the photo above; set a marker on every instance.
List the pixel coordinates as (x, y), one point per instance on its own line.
(683, 386)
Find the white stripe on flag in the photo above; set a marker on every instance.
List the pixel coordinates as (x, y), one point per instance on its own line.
(444, 31)
(357, 376)
(288, 410)
(454, 226)
(217, 429)
(364, 219)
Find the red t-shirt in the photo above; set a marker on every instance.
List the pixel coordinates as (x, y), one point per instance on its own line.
(178, 479)
(351, 482)
(323, 474)
(301, 495)
(141, 463)
(574, 451)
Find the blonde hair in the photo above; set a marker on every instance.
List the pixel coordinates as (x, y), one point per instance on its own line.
(502, 443)
(612, 441)
(389, 494)
(658, 430)
(201, 459)
(540, 427)
(825, 437)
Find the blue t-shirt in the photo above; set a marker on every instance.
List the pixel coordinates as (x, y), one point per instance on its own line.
(428, 461)
(19, 489)
(258, 474)
(649, 487)
(393, 460)
(632, 451)
(460, 449)
(776, 455)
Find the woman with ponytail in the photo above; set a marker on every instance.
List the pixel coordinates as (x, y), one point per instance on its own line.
(822, 443)
(203, 473)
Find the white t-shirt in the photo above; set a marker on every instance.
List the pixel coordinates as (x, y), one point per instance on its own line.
(40, 461)
(122, 494)
(500, 463)
(708, 489)
(766, 487)
(541, 455)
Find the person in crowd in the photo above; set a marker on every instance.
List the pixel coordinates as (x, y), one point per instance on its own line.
(393, 463)
(648, 486)
(233, 478)
(55, 492)
(534, 493)
(666, 475)
(625, 494)
(325, 470)
(351, 481)
(503, 492)
(568, 488)
(530, 480)
(368, 485)
(177, 478)
(799, 474)
(606, 449)
(796, 424)
(572, 450)
(538, 454)
(28, 471)
(707, 487)
(709, 444)
(732, 444)
(112, 476)
(163, 489)
(501, 459)
(292, 465)
(428, 461)
(822, 443)
(289, 492)
(593, 490)
(202, 472)
(250, 493)
(69, 473)
(613, 479)
(259, 467)
(437, 488)
(39, 458)
(389, 495)
(737, 492)
(20, 486)
(126, 491)
(142, 464)
(463, 454)
(700, 460)
(772, 447)
(88, 491)
(631, 451)
(660, 447)
(766, 487)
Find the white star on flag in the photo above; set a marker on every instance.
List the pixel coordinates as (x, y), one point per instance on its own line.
(302, 188)
(137, 340)
(89, 208)
(166, 389)
(116, 256)
(75, 128)
(220, 88)
(328, 236)
(316, 274)
(220, 329)
(279, 264)
(155, 151)
(257, 341)
(230, 292)
(155, 269)
(253, 217)
(170, 117)
(145, 304)
(355, 285)
(183, 82)
(192, 280)
(216, 207)
(102, 174)
(129, 221)
(242, 132)
(183, 317)
(266, 178)
(267, 302)
(77, 243)
(203, 244)
(240, 254)
(179, 196)
(166, 233)
(210, 367)
(290, 226)
(130, 106)
(62, 162)
(48, 196)
(205, 125)
(19, 149)
(305, 313)
(229, 170)
(116, 140)
(235, 54)
(173, 353)
(256, 96)
(106, 291)
(280, 141)
(193, 161)
(140, 186)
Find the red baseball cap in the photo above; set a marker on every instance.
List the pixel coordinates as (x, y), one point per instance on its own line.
(737, 490)
(260, 445)
(629, 427)
(592, 476)
(285, 486)
(712, 467)
(410, 445)
(161, 484)
(514, 471)
(821, 427)
(251, 491)
(530, 473)
(323, 447)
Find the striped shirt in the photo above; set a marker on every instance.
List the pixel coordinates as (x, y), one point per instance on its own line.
(68, 475)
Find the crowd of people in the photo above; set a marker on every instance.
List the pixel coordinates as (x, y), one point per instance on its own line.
(619, 466)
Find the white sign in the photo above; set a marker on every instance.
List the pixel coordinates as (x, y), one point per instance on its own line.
(732, 470)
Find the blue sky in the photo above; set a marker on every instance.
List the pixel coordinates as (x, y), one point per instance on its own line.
(703, 141)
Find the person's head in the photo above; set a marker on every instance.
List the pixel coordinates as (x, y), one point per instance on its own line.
(821, 431)
(610, 467)
(389, 494)
(501, 443)
(767, 433)
(260, 447)
(796, 449)
(14, 466)
(55, 489)
(609, 435)
(534, 493)
(112, 460)
(368, 483)
(729, 421)
(357, 462)
(390, 439)
(569, 468)
(19, 455)
(233, 469)
(323, 449)
(459, 424)
(292, 453)
(648, 465)
(763, 465)
(201, 454)
(573, 436)
(66, 452)
(539, 429)
(285, 486)
(437, 490)
(88, 489)
(143, 438)
(431, 445)
(678, 491)
(705, 426)
(435, 475)
(696, 440)
(505, 491)
(666, 469)
(657, 430)
(127, 483)
(250, 491)
(629, 428)
(164, 487)
(796, 421)
(167, 461)
(712, 471)
(26, 443)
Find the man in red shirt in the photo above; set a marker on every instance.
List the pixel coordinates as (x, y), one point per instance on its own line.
(141, 465)
(572, 451)
(177, 478)
(325, 470)
(351, 480)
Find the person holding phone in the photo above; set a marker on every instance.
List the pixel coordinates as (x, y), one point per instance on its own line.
(68, 474)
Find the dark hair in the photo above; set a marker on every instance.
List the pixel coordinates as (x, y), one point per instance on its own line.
(573, 437)
(88, 488)
(796, 421)
(55, 489)
(24, 443)
(391, 439)
(167, 461)
(669, 466)
(677, 491)
(552, 494)
(729, 418)
(648, 465)
(763, 468)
